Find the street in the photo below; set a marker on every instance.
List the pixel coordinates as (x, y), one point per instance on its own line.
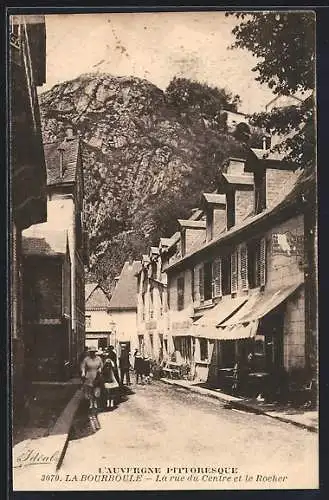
(164, 427)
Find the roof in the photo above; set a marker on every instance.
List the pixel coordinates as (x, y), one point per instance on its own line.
(70, 150)
(154, 250)
(165, 242)
(244, 179)
(89, 287)
(196, 214)
(97, 299)
(300, 191)
(214, 198)
(195, 224)
(43, 241)
(124, 296)
(259, 305)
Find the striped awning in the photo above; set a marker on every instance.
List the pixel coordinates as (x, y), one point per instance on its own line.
(206, 325)
(260, 305)
(238, 332)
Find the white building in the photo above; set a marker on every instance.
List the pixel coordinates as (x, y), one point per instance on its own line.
(123, 307)
(98, 320)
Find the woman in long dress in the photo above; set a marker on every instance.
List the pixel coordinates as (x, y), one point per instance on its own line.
(111, 385)
(91, 368)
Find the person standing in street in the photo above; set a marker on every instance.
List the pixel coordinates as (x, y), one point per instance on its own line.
(113, 357)
(124, 365)
(138, 366)
(91, 369)
(111, 385)
(147, 369)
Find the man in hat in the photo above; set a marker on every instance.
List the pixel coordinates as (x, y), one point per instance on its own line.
(91, 369)
(124, 363)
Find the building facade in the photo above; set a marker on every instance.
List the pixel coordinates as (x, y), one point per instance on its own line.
(97, 317)
(240, 296)
(123, 308)
(65, 190)
(152, 306)
(47, 304)
(26, 64)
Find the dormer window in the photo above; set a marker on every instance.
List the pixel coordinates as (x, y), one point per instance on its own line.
(230, 207)
(260, 191)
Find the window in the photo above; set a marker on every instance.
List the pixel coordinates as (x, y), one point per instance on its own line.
(230, 209)
(201, 284)
(88, 321)
(143, 306)
(228, 353)
(102, 343)
(253, 251)
(257, 263)
(180, 293)
(234, 272)
(140, 342)
(203, 349)
(151, 341)
(207, 275)
(226, 275)
(151, 303)
(260, 191)
(244, 267)
(161, 300)
(217, 278)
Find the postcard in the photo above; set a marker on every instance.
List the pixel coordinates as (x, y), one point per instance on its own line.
(163, 241)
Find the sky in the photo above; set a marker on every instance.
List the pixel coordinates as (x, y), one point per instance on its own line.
(154, 46)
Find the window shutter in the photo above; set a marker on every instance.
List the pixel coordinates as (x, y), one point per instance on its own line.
(196, 292)
(262, 262)
(234, 272)
(201, 284)
(217, 278)
(244, 267)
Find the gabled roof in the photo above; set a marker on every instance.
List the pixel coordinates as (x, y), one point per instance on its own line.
(97, 300)
(154, 250)
(89, 287)
(214, 198)
(164, 242)
(43, 241)
(124, 296)
(246, 179)
(197, 213)
(292, 203)
(70, 151)
(193, 224)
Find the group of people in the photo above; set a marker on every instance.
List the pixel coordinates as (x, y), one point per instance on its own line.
(104, 373)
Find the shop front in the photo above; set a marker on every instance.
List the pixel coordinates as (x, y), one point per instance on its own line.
(251, 346)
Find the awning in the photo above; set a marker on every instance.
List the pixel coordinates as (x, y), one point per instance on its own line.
(238, 332)
(259, 305)
(206, 325)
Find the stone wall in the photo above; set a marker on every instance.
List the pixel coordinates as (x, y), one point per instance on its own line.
(244, 204)
(294, 332)
(278, 184)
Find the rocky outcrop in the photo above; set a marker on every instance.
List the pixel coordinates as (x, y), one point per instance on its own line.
(138, 158)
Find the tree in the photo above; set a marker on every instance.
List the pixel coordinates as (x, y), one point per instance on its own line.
(284, 43)
(194, 101)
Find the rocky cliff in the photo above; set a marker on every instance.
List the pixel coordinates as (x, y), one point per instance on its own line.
(144, 165)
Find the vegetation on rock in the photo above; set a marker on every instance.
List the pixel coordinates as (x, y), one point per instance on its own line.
(148, 155)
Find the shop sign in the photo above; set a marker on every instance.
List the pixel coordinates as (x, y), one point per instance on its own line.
(181, 325)
(288, 244)
(150, 325)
